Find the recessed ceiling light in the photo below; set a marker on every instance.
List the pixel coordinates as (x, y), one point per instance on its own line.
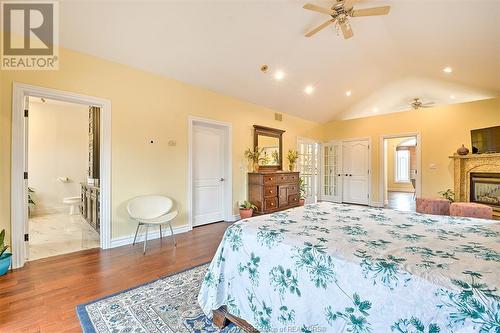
(279, 75)
(448, 70)
(348, 93)
(375, 110)
(452, 96)
(309, 90)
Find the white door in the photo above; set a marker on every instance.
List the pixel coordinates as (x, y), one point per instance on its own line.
(26, 190)
(307, 165)
(355, 170)
(208, 173)
(332, 172)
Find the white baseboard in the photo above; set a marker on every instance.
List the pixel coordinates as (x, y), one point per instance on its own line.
(376, 204)
(235, 218)
(153, 233)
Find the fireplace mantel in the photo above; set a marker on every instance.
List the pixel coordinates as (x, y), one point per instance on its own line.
(465, 164)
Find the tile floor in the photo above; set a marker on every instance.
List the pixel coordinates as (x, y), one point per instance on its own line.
(54, 234)
(401, 201)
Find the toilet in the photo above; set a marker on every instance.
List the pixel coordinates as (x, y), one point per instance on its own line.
(74, 204)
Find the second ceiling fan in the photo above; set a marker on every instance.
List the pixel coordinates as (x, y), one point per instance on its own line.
(341, 13)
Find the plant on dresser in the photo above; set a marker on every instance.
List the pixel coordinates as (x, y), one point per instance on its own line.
(273, 191)
(292, 158)
(254, 156)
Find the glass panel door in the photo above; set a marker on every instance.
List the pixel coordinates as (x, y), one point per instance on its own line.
(307, 165)
(332, 168)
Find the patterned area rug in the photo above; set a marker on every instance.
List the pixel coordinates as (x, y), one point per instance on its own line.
(168, 304)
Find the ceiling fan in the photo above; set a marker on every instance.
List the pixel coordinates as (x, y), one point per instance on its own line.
(341, 13)
(417, 104)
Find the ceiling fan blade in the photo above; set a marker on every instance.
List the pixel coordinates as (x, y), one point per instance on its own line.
(371, 11)
(346, 30)
(320, 27)
(318, 9)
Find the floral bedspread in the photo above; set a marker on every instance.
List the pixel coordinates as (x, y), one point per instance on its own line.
(340, 268)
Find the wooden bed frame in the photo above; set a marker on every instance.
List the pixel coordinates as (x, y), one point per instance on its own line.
(222, 318)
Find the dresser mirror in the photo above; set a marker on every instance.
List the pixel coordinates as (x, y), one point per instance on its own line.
(270, 140)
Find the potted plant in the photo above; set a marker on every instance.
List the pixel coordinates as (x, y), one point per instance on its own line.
(448, 195)
(254, 156)
(302, 189)
(5, 258)
(246, 209)
(292, 157)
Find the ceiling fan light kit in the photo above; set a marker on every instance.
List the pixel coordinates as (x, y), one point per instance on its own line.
(341, 13)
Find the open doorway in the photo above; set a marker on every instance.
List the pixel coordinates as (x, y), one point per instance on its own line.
(63, 174)
(401, 171)
(21, 95)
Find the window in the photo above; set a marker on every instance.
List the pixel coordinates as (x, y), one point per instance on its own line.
(402, 167)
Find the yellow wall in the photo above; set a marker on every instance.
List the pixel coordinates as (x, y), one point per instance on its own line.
(443, 130)
(144, 107)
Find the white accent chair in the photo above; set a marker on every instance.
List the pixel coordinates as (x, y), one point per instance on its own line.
(151, 210)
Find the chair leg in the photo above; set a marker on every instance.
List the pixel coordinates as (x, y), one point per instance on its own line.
(145, 239)
(172, 232)
(160, 232)
(136, 231)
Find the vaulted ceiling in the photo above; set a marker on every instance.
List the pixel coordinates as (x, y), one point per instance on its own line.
(220, 45)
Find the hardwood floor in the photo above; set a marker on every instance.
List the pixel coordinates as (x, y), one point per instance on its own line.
(401, 201)
(43, 295)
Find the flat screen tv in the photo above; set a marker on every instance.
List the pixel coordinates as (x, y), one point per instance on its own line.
(486, 140)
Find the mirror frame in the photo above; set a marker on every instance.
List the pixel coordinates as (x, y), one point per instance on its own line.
(272, 132)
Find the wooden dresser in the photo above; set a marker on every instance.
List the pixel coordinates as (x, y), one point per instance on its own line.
(272, 192)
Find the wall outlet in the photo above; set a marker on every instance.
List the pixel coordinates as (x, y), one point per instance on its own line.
(172, 143)
(433, 166)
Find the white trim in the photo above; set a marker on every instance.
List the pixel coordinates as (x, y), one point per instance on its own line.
(228, 189)
(235, 218)
(153, 233)
(18, 202)
(418, 182)
(376, 204)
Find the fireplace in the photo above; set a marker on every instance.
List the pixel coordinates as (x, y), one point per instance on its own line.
(485, 188)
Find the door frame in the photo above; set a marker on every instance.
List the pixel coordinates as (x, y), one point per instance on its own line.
(370, 173)
(228, 184)
(418, 190)
(19, 206)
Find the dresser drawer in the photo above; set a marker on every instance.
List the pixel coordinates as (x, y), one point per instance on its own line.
(269, 179)
(282, 179)
(270, 203)
(293, 199)
(292, 178)
(270, 191)
(293, 189)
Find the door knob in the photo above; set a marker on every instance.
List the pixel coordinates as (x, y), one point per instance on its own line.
(350, 175)
(346, 175)
(338, 174)
(222, 179)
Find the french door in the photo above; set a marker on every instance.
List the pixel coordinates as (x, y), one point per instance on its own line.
(308, 166)
(331, 189)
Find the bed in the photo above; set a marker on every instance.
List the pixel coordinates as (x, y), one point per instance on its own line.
(341, 268)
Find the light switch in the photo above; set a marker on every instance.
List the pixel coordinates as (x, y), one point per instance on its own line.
(432, 166)
(172, 143)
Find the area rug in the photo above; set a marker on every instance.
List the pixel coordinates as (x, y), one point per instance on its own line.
(168, 304)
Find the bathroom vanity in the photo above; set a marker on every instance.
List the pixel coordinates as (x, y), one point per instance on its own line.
(90, 207)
